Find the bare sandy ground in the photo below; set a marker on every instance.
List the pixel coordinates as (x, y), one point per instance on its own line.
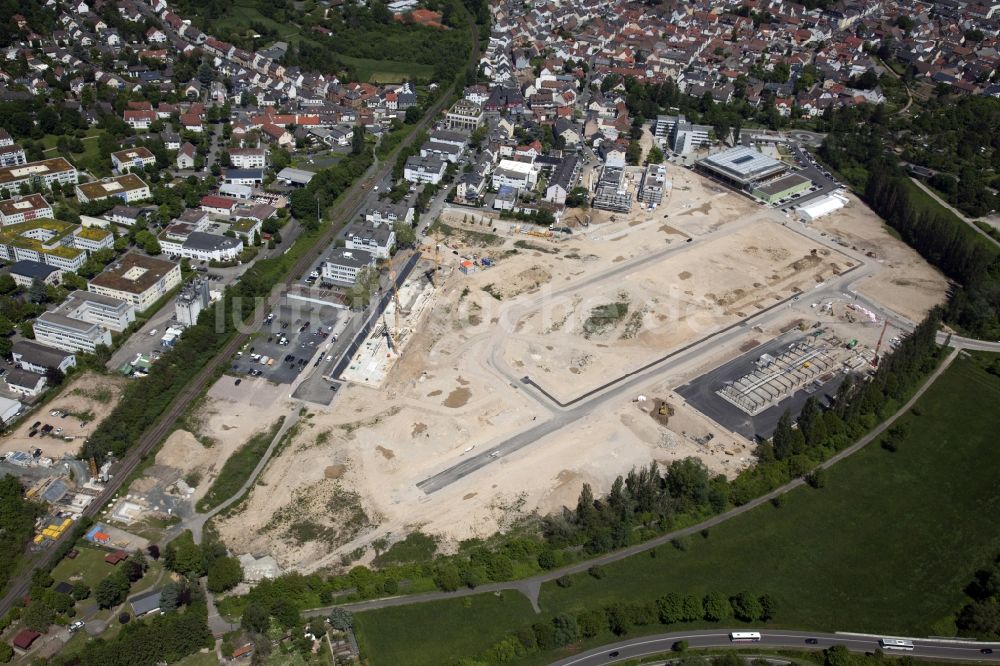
(911, 286)
(89, 392)
(350, 475)
(223, 422)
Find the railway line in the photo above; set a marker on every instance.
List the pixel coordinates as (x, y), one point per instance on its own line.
(345, 210)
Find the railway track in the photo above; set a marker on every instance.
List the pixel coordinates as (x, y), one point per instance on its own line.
(344, 211)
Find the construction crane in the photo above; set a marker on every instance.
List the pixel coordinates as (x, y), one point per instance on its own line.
(878, 347)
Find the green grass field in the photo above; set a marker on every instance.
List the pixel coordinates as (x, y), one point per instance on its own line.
(886, 546)
(238, 468)
(89, 564)
(387, 71)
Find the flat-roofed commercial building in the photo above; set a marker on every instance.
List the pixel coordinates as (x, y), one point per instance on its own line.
(137, 279)
(342, 265)
(781, 188)
(62, 332)
(24, 209)
(128, 188)
(52, 242)
(42, 172)
(112, 313)
(512, 173)
(464, 116)
(741, 167)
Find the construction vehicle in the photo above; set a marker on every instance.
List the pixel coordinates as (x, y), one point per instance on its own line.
(878, 347)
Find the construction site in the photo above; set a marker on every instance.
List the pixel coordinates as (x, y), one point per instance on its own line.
(389, 336)
(516, 378)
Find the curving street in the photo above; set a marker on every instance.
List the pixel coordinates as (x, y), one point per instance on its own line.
(943, 649)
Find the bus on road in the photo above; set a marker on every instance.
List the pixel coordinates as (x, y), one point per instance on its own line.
(895, 644)
(745, 636)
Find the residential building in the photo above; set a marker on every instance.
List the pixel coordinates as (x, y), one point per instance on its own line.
(26, 271)
(139, 119)
(137, 279)
(389, 213)
(445, 151)
(22, 209)
(43, 173)
(185, 240)
(377, 239)
(124, 215)
(654, 184)
(186, 155)
(612, 193)
(512, 173)
(12, 156)
(248, 158)
(34, 357)
(128, 188)
(194, 297)
(465, 116)
(342, 265)
(424, 169)
(563, 179)
(133, 159)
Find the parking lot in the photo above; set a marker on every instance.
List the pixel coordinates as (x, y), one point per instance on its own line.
(701, 392)
(287, 344)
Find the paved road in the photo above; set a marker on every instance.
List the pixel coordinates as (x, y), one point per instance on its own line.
(778, 638)
(959, 214)
(345, 210)
(530, 587)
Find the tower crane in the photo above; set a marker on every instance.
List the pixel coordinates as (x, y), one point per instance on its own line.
(878, 347)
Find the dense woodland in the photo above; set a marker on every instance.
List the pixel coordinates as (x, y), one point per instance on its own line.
(980, 617)
(859, 148)
(17, 522)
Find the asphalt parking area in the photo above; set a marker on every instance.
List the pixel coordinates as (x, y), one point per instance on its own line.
(289, 342)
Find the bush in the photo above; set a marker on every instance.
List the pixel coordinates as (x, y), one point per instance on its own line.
(547, 560)
(679, 646)
(564, 581)
(6, 653)
(597, 571)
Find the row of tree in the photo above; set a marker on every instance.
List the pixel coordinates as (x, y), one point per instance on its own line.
(619, 619)
(980, 618)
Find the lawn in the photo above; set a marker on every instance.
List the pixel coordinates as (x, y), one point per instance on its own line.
(238, 468)
(439, 632)
(886, 546)
(90, 146)
(240, 17)
(199, 659)
(387, 71)
(89, 564)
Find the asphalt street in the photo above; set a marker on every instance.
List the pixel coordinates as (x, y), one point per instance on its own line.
(717, 638)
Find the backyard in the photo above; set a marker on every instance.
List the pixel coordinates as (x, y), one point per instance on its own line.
(886, 545)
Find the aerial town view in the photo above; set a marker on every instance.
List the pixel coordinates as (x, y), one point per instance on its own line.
(482, 332)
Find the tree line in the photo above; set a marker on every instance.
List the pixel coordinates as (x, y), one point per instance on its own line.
(622, 618)
(980, 617)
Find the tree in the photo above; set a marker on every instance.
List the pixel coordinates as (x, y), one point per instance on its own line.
(747, 607)
(405, 235)
(135, 566)
(184, 556)
(154, 551)
(27, 330)
(7, 284)
(6, 346)
(112, 590)
(837, 655)
(412, 116)
(619, 620)
(655, 156)
(169, 597)
(6, 653)
(341, 619)
(255, 618)
(357, 139)
(37, 292)
(716, 607)
(80, 591)
(148, 242)
(38, 616)
(224, 573)
(768, 607)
